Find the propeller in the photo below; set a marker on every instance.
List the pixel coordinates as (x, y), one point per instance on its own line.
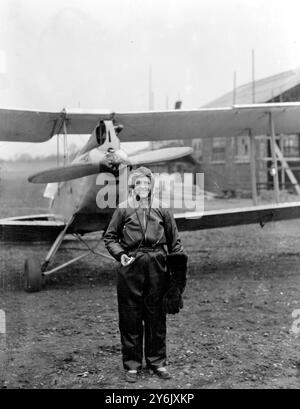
(96, 161)
(160, 155)
(69, 172)
(107, 162)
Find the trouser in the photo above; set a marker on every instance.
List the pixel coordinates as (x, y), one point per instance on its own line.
(140, 289)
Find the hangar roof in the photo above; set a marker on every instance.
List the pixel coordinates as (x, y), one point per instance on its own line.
(266, 89)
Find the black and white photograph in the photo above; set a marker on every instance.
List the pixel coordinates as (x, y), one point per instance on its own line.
(149, 197)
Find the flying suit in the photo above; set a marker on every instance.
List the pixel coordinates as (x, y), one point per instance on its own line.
(143, 233)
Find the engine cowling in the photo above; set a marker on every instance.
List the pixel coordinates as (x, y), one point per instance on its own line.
(99, 135)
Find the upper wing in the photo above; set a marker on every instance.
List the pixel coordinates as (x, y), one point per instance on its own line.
(210, 122)
(34, 126)
(39, 126)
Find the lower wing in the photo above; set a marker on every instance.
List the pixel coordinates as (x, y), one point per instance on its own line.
(237, 216)
(41, 227)
(46, 227)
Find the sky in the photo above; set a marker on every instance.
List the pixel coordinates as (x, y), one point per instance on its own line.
(97, 53)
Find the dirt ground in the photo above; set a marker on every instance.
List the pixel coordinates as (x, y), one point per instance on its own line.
(233, 332)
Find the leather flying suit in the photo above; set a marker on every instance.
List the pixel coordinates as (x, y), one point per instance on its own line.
(142, 284)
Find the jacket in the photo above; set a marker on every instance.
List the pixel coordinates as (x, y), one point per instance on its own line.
(129, 222)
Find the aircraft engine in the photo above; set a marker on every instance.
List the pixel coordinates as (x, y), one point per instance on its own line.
(99, 136)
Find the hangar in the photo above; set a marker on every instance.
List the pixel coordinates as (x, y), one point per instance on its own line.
(226, 161)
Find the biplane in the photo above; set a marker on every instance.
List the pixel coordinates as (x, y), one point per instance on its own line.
(73, 188)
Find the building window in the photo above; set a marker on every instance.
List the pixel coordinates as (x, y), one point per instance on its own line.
(179, 168)
(242, 148)
(218, 149)
(291, 146)
(197, 145)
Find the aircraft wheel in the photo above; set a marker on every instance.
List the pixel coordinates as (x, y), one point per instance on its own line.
(32, 275)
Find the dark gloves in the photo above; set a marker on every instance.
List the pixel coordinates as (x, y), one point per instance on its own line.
(177, 266)
(172, 301)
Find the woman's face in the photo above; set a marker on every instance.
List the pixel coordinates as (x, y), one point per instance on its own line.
(142, 187)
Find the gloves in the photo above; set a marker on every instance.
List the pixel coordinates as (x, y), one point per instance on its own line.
(172, 300)
(177, 266)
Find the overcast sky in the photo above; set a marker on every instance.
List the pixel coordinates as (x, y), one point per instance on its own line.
(97, 53)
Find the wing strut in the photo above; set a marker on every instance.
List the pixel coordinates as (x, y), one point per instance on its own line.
(62, 127)
(274, 159)
(287, 168)
(253, 167)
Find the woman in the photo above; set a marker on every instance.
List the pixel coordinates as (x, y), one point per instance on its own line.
(136, 236)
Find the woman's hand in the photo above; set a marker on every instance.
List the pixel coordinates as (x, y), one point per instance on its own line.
(125, 260)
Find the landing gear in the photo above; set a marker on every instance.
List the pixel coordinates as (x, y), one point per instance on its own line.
(35, 274)
(32, 275)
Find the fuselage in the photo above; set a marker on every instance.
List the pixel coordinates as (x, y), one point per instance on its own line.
(79, 197)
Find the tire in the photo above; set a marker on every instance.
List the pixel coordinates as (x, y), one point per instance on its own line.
(32, 275)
